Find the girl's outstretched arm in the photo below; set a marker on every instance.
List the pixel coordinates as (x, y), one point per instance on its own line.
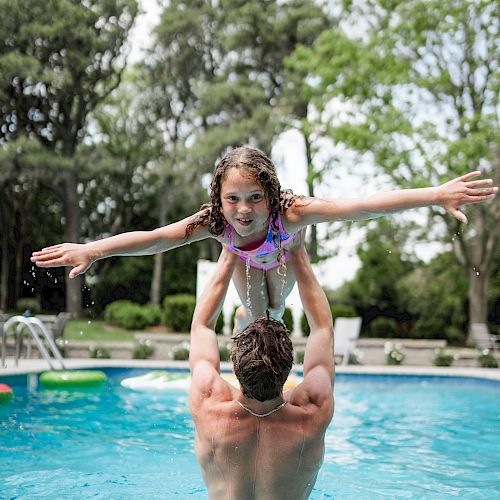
(451, 195)
(81, 256)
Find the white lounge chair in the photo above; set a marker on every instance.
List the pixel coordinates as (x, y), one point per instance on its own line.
(483, 339)
(346, 332)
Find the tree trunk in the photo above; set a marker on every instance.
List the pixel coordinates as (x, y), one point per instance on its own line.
(73, 216)
(313, 240)
(155, 292)
(478, 298)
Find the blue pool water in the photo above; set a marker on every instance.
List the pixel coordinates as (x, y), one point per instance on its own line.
(391, 437)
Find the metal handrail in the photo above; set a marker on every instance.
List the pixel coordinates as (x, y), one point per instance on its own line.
(32, 324)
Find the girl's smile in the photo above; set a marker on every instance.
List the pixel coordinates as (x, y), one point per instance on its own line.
(244, 204)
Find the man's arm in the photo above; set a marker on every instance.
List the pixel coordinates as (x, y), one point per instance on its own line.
(319, 348)
(203, 345)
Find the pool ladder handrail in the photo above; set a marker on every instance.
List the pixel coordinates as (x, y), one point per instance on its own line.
(32, 324)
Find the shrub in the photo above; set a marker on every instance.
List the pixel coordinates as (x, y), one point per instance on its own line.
(99, 352)
(224, 353)
(288, 319)
(143, 350)
(181, 354)
(179, 311)
(487, 359)
(304, 325)
(343, 311)
(394, 354)
(130, 315)
(384, 327)
(219, 325)
(152, 313)
(454, 335)
(299, 357)
(31, 304)
(443, 358)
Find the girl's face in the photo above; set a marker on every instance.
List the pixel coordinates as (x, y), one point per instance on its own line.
(244, 204)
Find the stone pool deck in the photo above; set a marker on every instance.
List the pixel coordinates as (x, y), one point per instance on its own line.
(39, 365)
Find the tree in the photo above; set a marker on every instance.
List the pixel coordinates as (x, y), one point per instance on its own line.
(57, 62)
(423, 82)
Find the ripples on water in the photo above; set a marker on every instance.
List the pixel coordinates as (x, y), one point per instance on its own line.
(390, 438)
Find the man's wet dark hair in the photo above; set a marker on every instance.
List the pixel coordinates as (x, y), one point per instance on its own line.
(262, 356)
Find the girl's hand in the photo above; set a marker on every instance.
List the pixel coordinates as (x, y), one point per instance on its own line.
(64, 254)
(462, 190)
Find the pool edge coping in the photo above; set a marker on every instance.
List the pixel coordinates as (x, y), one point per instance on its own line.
(27, 366)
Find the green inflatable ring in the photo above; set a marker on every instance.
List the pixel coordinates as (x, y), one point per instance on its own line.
(72, 378)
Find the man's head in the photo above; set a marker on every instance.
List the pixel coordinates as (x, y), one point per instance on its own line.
(262, 356)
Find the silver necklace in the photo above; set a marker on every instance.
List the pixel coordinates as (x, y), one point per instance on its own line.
(261, 414)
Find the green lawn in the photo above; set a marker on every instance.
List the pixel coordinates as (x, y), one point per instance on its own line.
(78, 329)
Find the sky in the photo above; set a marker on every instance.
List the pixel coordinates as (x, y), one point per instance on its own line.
(289, 156)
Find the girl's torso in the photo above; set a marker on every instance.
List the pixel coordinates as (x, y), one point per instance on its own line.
(260, 254)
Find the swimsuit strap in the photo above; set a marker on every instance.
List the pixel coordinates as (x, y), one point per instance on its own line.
(261, 414)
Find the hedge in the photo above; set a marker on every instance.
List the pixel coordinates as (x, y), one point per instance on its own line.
(179, 311)
(132, 316)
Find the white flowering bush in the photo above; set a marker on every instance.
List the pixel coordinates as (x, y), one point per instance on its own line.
(394, 353)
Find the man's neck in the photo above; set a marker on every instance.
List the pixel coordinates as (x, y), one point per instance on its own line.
(261, 407)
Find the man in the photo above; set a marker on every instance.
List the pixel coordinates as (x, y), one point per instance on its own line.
(258, 442)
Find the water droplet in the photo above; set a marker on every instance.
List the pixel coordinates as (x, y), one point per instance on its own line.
(81, 332)
(247, 273)
(55, 281)
(477, 273)
(89, 322)
(389, 251)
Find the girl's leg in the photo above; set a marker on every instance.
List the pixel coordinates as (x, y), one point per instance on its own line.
(278, 289)
(254, 297)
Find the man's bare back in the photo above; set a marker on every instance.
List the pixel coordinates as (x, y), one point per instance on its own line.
(247, 457)
(272, 457)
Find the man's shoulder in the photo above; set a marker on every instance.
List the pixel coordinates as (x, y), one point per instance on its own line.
(207, 385)
(314, 393)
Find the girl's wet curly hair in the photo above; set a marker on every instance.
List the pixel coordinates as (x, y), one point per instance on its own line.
(262, 356)
(263, 171)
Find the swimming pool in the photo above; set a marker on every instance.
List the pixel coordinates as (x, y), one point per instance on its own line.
(391, 437)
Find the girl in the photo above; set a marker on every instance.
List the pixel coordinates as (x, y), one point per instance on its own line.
(253, 217)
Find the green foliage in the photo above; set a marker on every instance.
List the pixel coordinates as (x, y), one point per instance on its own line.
(439, 315)
(224, 353)
(443, 358)
(304, 325)
(181, 354)
(131, 316)
(383, 327)
(394, 353)
(421, 121)
(99, 352)
(383, 263)
(179, 311)
(342, 311)
(31, 304)
(70, 49)
(299, 357)
(219, 325)
(143, 350)
(288, 319)
(486, 359)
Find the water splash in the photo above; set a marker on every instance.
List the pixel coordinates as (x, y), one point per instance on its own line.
(247, 273)
(283, 281)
